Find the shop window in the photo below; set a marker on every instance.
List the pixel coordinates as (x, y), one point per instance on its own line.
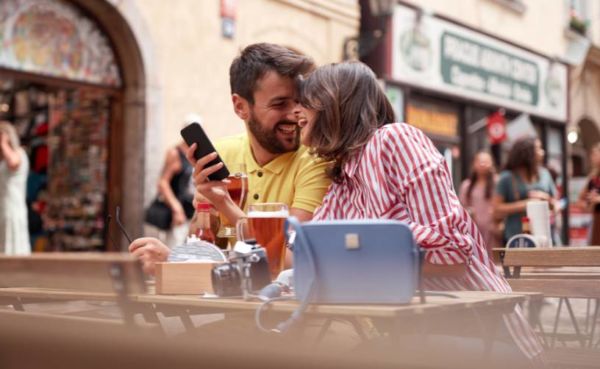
(59, 85)
(433, 117)
(65, 134)
(440, 121)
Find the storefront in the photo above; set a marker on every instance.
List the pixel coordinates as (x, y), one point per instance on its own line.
(451, 80)
(61, 87)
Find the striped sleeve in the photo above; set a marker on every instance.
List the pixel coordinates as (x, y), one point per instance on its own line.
(438, 221)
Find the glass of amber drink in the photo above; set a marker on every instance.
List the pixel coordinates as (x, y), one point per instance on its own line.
(265, 223)
(237, 187)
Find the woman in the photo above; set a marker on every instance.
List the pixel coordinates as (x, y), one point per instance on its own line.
(175, 188)
(476, 195)
(14, 166)
(523, 179)
(590, 195)
(393, 171)
(390, 171)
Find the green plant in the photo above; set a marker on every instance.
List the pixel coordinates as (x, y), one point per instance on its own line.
(578, 25)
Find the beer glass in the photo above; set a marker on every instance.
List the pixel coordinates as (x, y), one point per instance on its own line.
(238, 191)
(265, 223)
(238, 185)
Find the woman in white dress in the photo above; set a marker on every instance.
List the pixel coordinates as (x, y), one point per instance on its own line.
(14, 166)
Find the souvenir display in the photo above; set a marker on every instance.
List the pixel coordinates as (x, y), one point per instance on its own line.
(65, 133)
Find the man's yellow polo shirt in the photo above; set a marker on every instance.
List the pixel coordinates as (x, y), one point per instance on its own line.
(296, 178)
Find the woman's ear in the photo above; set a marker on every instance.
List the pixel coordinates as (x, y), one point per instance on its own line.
(241, 106)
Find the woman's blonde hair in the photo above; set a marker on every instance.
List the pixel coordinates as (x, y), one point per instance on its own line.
(13, 137)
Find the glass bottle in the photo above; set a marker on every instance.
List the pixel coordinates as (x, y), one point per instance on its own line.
(202, 225)
(525, 225)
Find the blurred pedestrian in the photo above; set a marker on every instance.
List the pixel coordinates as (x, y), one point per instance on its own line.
(523, 179)
(14, 166)
(476, 196)
(177, 192)
(590, 195)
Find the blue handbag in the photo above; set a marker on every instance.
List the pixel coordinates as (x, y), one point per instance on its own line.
(355, 261)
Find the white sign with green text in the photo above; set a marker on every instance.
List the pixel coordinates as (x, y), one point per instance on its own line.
(447, 57)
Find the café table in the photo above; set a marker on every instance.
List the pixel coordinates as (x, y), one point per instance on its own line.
(479, 308)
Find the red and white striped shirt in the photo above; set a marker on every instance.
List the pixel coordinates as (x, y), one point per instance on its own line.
(401, 175)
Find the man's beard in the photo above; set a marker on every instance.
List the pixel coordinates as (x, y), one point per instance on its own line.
(268, 139)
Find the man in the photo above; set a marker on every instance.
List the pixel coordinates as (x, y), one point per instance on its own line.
(263, 81)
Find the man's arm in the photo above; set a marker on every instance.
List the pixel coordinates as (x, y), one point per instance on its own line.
(149, 251)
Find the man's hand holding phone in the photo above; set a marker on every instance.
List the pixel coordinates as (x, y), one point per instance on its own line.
(213, 191)
(210, 173)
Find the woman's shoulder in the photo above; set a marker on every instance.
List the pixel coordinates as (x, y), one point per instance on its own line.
(402, 134)
(505, 175)
(398, 128)
(544, 173)
(464, 185)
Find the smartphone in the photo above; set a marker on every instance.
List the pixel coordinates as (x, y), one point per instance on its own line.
(194, 134)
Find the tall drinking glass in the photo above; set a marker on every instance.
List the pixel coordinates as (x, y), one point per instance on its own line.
(265, 223)
(238, 191)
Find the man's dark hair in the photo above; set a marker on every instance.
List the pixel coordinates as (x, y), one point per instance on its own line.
(257, 59)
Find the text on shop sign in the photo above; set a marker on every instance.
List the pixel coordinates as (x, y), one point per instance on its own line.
(474, 66)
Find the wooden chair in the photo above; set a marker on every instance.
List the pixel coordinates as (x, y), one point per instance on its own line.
(71, 276)
(560, 272)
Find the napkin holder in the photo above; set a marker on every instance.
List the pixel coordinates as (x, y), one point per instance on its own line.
(184, 278)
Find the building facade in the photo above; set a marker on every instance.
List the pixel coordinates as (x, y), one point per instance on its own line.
(99, 89)
(477, 74)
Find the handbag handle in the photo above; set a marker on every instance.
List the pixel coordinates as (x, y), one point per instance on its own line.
(297, 314)
(300, 235)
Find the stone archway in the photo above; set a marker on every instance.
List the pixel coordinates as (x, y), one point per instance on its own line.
(125, 27)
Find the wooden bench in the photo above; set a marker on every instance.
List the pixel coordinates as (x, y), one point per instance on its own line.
(71, 276)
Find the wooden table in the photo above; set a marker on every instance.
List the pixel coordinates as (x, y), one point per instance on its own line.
(457, 300)
(484, 309)
(481, 309)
